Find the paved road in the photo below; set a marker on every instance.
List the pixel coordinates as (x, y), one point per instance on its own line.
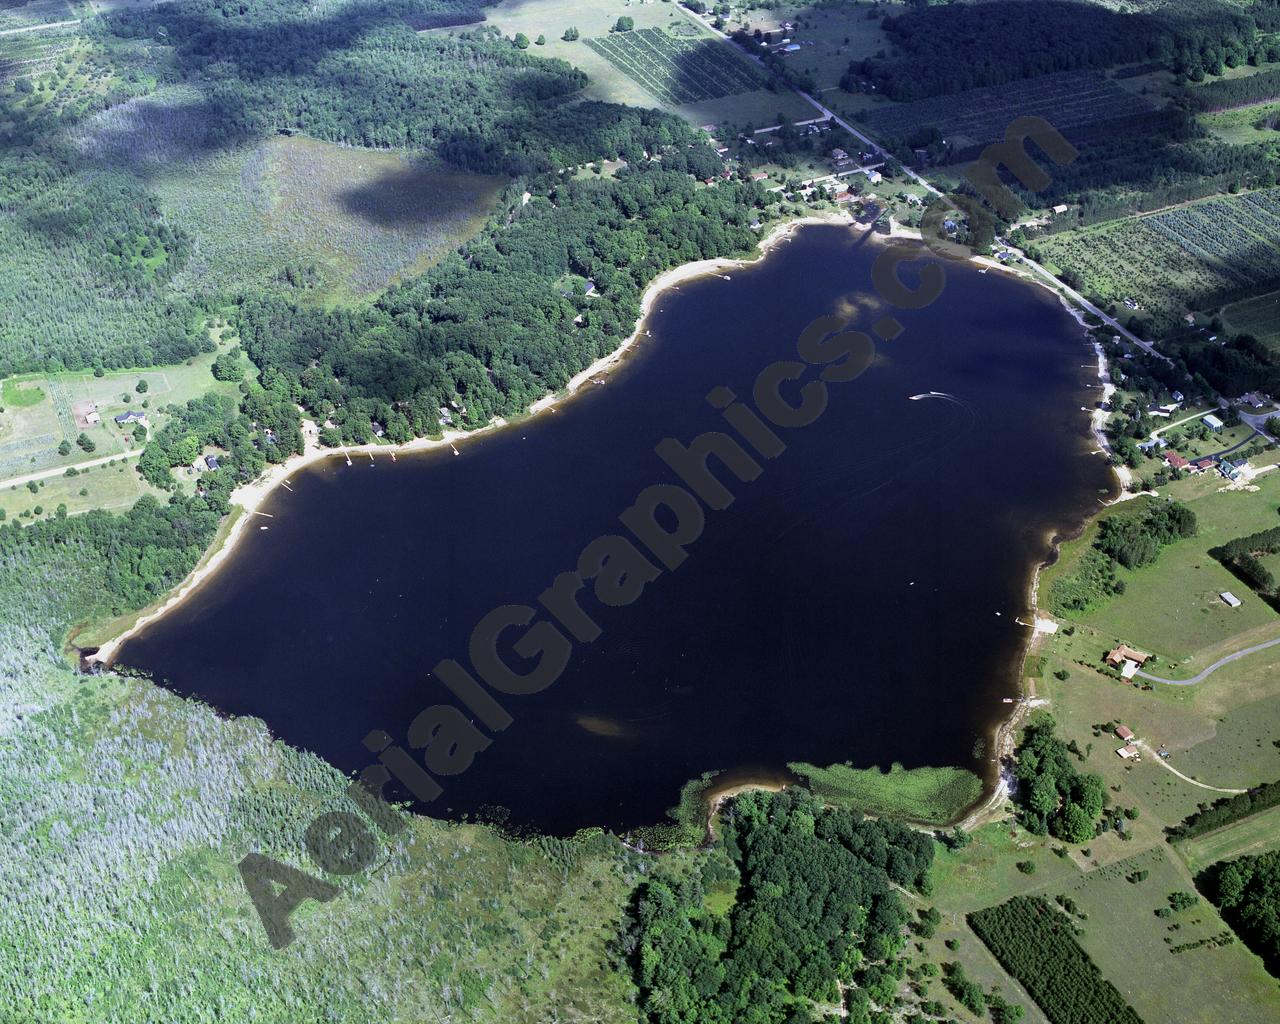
(44, 474)
(1212, 668)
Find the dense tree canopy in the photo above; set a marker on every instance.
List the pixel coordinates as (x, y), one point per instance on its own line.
(813, 905)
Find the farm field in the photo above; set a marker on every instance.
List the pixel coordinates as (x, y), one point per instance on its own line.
(16, 14)
(1252, 835)
(1127, 941)
(42, 410)
(31, 53)
(1190, 257)
(550, 18)
(1067, 100)
(1259, 316)
(676, 69)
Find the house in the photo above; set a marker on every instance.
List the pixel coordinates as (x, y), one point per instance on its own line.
(1230, 599)
(378, 429)
(1153, 443)
(211, 462)
(1204, 464)
(1129, 669)
(1179, 397)
(755, 225)
(1128, 752)
(875, 177)
(791, 48)
(1125, 733)
(1126, 653)
(759, 176)
(1175, 461)
(838, 155)
(1252, 399)
(1213, 423)
(132, 416)
(1233, 470)
(92, 418)
(1060, 208)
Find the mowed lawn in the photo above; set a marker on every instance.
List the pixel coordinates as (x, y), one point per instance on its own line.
(1253, 835)
(1172, 607)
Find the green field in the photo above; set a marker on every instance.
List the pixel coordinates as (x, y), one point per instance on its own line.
(35, 12)
(1128, 942)
(932, 795)
(1252, 835)
(1172, 608)
(1244, 126)
(1258, 316)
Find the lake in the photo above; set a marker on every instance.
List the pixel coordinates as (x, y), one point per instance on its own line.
(858, 601)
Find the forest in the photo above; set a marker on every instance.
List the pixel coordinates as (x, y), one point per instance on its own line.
(1243, 555)
(1054, 797)
(1236, 92)
(949, 48)
(1247, 891)
(812, 909)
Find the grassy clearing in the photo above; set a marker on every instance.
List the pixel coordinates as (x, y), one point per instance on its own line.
(933, 795)
(1258, 316)
(1135, 948)
(1172, 608)
(1244, 125)
(347, 221)
(1252, 835)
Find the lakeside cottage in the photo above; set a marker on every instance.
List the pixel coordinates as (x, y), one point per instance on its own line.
(1124, 653)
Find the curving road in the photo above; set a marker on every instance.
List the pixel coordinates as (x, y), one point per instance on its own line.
(1212, 668)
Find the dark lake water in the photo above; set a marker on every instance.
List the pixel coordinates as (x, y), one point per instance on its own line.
(857, 602)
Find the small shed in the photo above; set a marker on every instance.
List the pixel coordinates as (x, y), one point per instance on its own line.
(1230, 599)
(1213, 423)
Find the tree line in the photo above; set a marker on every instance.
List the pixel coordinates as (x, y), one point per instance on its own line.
(1247, 891)
(1224, 811)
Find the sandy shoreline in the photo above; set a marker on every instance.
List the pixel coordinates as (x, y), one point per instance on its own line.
(250, 497)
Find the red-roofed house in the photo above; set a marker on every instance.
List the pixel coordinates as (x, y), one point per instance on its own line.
(1125, 733)
(1175, 461)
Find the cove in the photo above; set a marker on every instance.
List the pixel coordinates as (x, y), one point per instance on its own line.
(858, 601)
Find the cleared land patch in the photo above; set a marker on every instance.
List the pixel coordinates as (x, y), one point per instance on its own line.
(1255, 834)
(678, 70)
(29, 13)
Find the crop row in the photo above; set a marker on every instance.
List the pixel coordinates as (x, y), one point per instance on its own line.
(1067, 99)
(674, 70)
